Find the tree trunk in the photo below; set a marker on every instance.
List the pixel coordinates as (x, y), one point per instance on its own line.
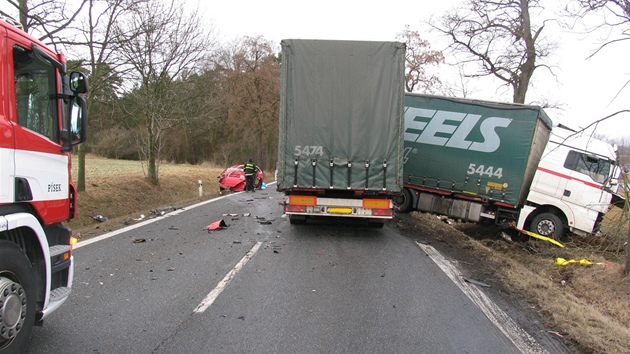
(626, 271)
(151, 147)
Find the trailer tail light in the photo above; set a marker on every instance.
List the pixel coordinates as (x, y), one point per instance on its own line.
(376, 204)
(294, 208)
(382, 212)
(303, 200)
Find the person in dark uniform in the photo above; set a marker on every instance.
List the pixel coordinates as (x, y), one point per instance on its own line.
(250, 175)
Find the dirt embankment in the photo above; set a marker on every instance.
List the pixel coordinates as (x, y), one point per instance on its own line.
(581, 308)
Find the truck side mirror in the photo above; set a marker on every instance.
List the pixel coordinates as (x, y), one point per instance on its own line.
(75, 131)
(78, 82)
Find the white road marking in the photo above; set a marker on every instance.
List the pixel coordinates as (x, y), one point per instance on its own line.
(209, 299)
(521, 339)
(146, 222)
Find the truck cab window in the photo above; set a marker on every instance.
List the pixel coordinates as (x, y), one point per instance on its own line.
(596, 168)
(35, 87)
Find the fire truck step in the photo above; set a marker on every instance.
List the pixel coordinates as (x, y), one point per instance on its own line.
(59, 294)
(58, 249)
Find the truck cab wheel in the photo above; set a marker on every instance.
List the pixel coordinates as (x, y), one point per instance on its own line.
(548, 225)
(402, 203)
(17, 298)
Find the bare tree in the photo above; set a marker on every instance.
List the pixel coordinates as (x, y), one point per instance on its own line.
(167, 43)
(500, 38)
(418, 57)
(614, 15)
(49, 20)
(99, 44)
(251, 98)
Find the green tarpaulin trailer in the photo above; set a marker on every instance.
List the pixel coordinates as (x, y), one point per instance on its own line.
(341, 123)
(473, 148)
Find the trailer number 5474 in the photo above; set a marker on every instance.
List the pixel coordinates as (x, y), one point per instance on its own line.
(482, 170)
(308, 150)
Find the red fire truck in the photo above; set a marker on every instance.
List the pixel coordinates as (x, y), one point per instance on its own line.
(42, 117)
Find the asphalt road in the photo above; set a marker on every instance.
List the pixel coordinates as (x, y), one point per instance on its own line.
(261, 285)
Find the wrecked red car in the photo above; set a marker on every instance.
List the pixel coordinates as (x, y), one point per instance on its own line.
(233, 178)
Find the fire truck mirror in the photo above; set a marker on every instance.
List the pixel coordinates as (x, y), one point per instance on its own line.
(78, 122)
(78, 82)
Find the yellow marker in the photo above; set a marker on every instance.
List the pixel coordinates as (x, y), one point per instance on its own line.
(583, 261)
(541, 237)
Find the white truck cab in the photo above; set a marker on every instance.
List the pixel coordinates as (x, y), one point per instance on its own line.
(572, 185)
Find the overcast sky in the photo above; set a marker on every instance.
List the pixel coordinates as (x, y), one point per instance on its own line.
(584, 88)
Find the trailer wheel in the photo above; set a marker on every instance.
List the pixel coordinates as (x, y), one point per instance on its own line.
(548, 225)
(402, 203)
(17, 298)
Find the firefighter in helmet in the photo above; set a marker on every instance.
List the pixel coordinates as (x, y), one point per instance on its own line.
(250, 175)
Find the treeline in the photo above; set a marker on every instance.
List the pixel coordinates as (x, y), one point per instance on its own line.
(221, 113)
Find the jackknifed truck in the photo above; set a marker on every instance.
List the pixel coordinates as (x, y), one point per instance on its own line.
(341, 129)
(478, 160)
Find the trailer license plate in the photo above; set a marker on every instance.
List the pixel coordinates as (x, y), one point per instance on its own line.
(340, 210)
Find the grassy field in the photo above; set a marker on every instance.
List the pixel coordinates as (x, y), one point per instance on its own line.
(119, 190)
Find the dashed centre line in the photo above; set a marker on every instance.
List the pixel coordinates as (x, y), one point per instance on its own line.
(209, 299)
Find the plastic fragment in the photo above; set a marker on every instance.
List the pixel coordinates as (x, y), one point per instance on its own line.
(476, 282)
(217, 225)
(100, 218)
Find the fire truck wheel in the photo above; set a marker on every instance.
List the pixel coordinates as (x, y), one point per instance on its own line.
(17, 299)
(548, 225)
(402, 203)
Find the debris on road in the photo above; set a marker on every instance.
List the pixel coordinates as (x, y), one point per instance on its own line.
(138, 240)
(506, 237)
(139, 218)
(100, 218)
(263, 221)
(477, 282)
(217, 225)
(167, 208)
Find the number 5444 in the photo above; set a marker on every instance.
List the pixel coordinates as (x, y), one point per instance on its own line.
(482, 170)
